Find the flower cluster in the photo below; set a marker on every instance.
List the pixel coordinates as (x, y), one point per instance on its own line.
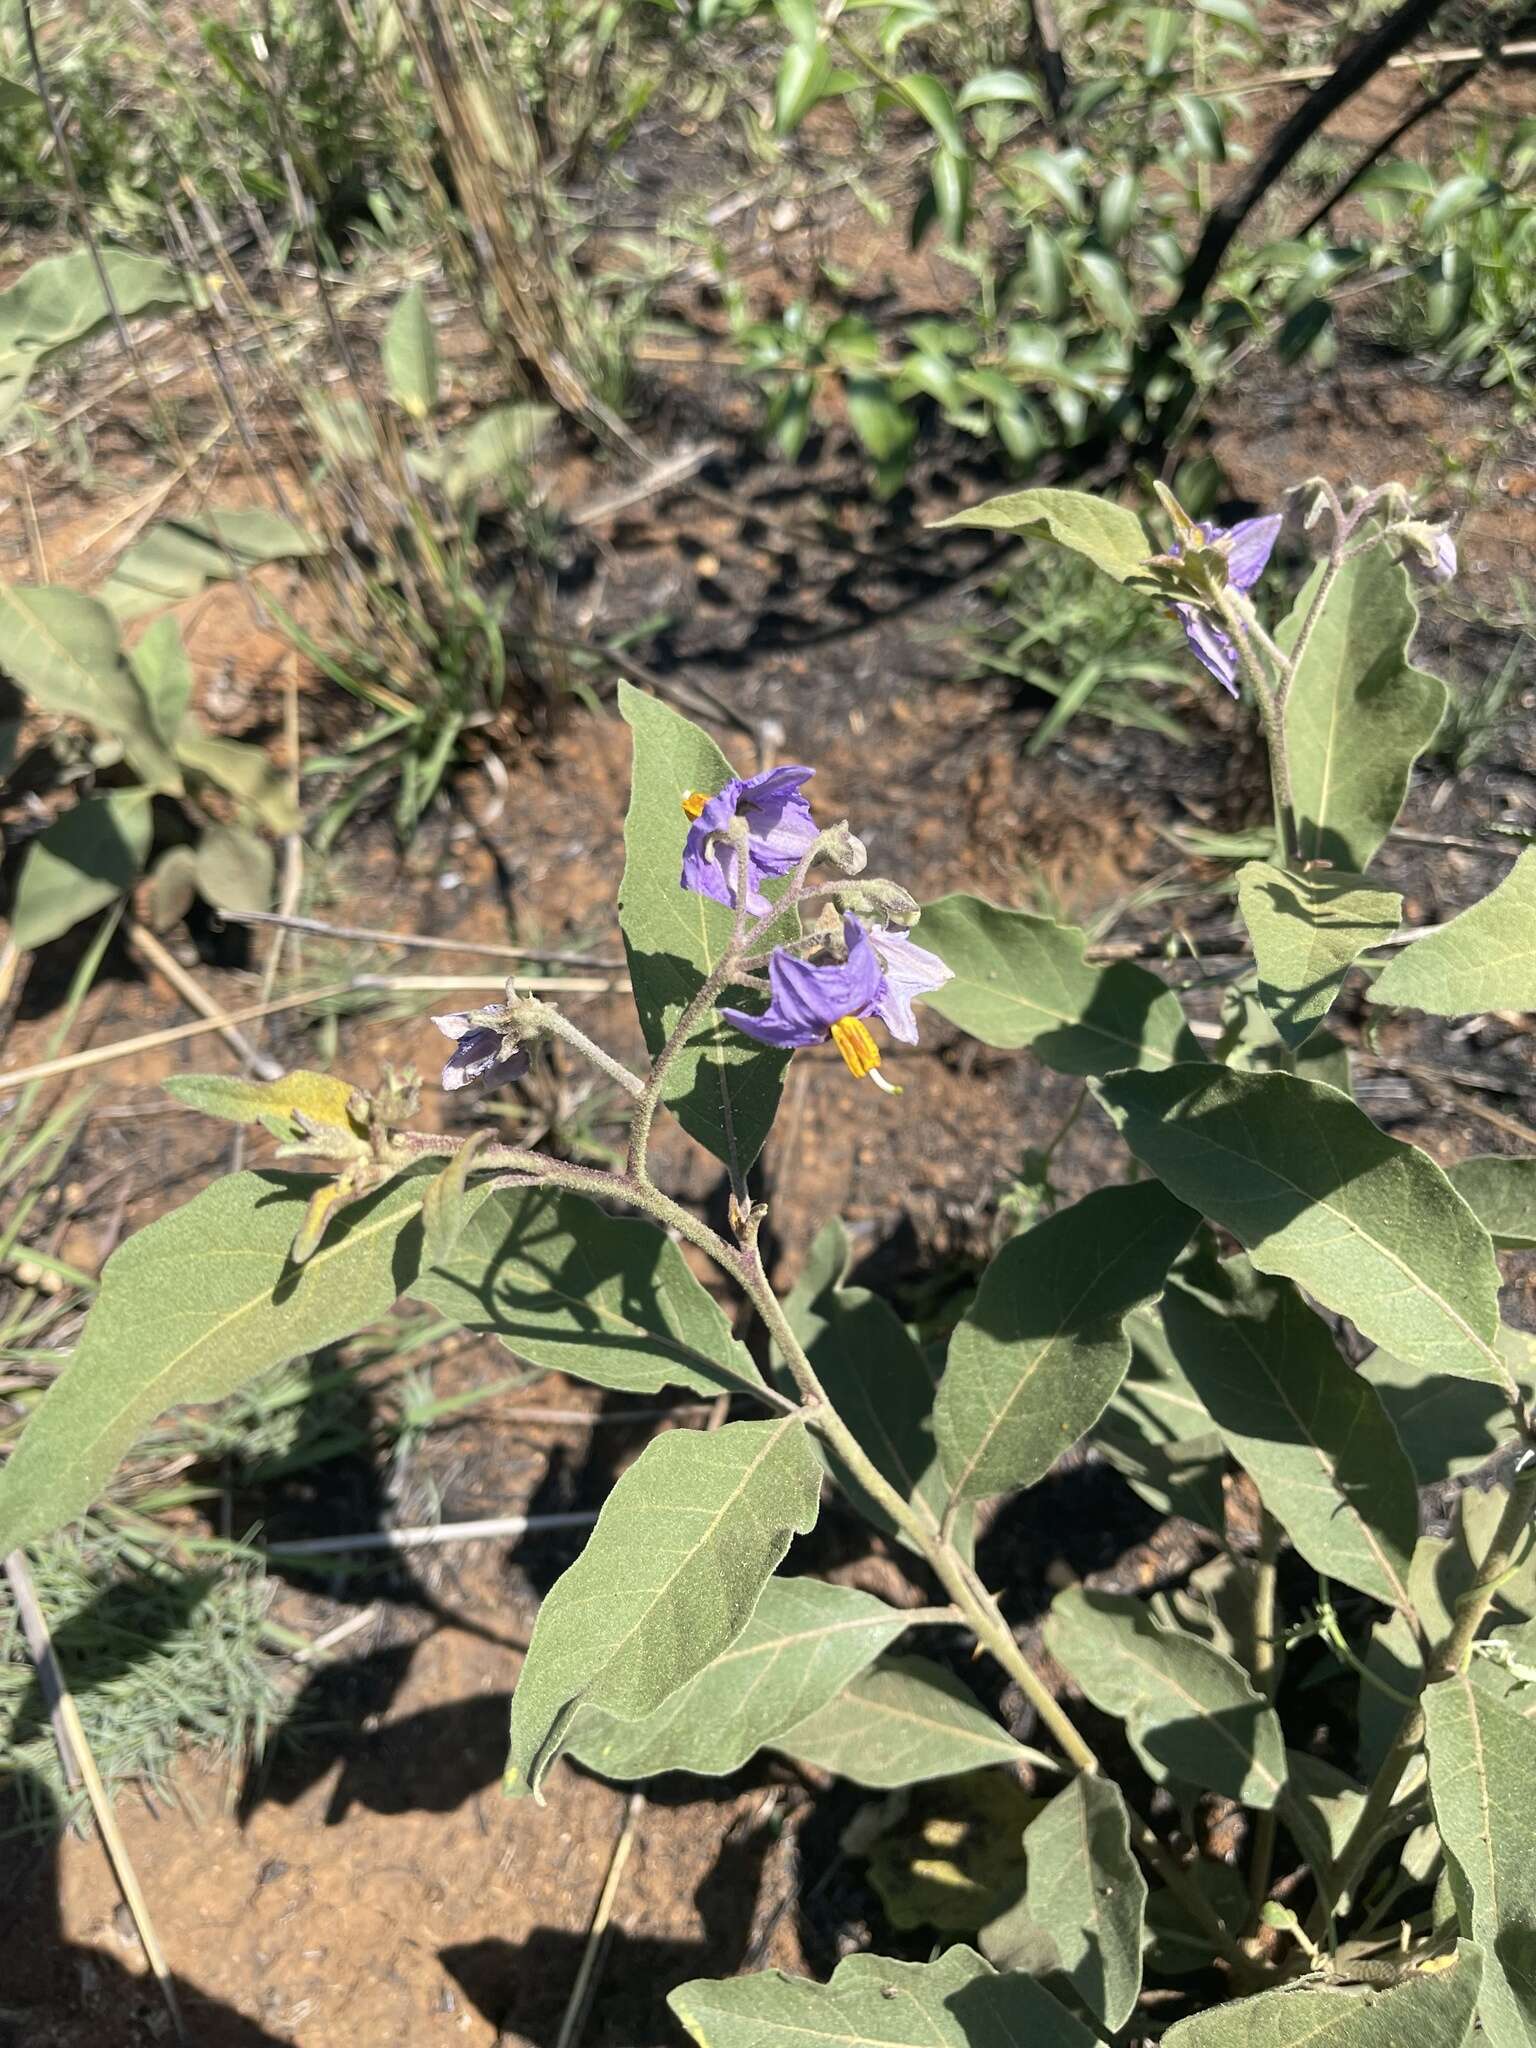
(872, 970)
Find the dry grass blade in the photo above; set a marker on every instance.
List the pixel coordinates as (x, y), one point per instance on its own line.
(591, 1956)
(421, 941)
(156, 956)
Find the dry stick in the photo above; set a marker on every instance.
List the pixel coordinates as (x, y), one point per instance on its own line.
(431, 1534)
(321, 930)
(586, 1976)
(80, 1767)
(156, 956)
(173, 1034)
(1266, 1676)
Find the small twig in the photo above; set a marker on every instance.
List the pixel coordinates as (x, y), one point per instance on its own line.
(427, 984)
(80, 1768)
(164, 963)
(665, 474)
(433, 1533)
(319, 929)
(317, 1651)
(591, 1956)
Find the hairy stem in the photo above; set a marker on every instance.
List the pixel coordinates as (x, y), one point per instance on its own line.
(1267, 1654)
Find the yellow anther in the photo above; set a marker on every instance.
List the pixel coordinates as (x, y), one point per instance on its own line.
(861, 1055)
(694, 802)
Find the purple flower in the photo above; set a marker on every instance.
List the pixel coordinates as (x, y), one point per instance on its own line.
(480, 1052)
(812, 1003)
(1444, 556)
(1249, 546)
(778, 820)
(909, 972)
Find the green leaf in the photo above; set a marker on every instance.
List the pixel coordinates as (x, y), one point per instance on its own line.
(190, 1308)
(875, 1376)
(159, 662)
(245, 772)
(1431, 2008)
(1446, 1426)
(16, 97)
(60, 301)
(62, 649)
(1314, 1191)
(956, 2002)
(1107, 535)
(804, 75)
(608, 1299)
(722, 1088)
(804, 1643)
(408, 353)
(1482, 1765)
(1202, 128)
(1307, 932)
(1311, 1433)
(235, 869)
(86, 859)
(277, 1106)
(681, 1552)
(927, 96)
(1358, 714)
(885, 427)
(171, 889)
(1086, 1892)
(1042, 1348)
(988, 87)
(1501, 1194)
(1485, 959)
(901, 1722)
(179, 558)
(1156, 1433)
(1190, 1712)
(1457, 198)
(496, 448)
(1250, 1042)
(1020, 980)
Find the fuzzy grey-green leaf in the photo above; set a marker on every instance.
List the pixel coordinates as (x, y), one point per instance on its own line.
(1485, 959)
(1430, 2008)
(1020, 980)
(1307, 932)
(62, 648)
(1358, 714)
(902, 1721)
(1110, 537)
(677, 1562)
(1315, 1191)
(190, 1308)
(408, 353)
(1482, 1767)
(1189, 1711)
(1446, 1426)
(1501, 1193)
(1042, 1348)
(1087, 1893)
(723, 1088)
(806, 1640)
(606, 1298)
(86, 859)
(1311, 1433)
(958, 2001)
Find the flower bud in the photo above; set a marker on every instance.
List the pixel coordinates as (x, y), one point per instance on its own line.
(840, 845)
(886, 902)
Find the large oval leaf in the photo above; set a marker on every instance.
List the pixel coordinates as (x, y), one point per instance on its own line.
(1308, 1184)
(1431, 2008)
(1112, 538)
(681, 1552)
(901, 1722)
(1485, 959)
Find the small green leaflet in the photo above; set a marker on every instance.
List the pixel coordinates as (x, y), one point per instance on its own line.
(1432, 2007)
(723, 1089)
(1501, 1194)
(1086, 1892)
(1307, 1183)
(959, 2001)
(1022, 981)
(319, 1099)
(86, 859)
(1307, 932)
(1311, 1433)
(900, 1722)
(1190, 1712)
(681, 1552)
(805, 1642)
(568, 1287)
(408, 354)
(1482, 1767)
(1485, 959)
(1359, 714)
(1108, 535)
(1042, 1348)
(190, 1308)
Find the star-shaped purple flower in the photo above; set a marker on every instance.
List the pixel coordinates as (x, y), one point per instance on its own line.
(1250, 544)
(778, 819)
(811, 1003)
(480, 1052)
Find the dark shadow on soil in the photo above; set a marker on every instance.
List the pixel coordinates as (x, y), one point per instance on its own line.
(60, 1996)
(522, 1988)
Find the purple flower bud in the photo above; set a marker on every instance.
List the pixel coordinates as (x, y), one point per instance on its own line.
(779, 824)
(1444, 566)
(480, 1053)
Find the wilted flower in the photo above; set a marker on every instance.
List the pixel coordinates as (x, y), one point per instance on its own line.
(811, 1003)
(481, 1051)
(1248, 547)
(779, 825)
(1444, 556)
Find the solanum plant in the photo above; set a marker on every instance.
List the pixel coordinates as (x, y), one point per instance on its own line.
(1201, 1312)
